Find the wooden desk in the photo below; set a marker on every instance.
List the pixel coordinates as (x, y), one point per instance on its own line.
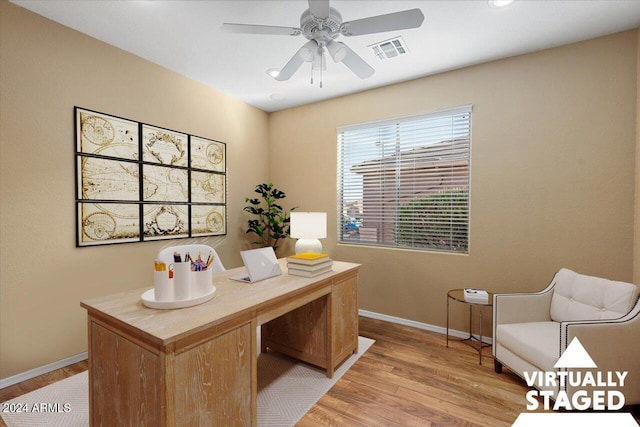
(197, 365)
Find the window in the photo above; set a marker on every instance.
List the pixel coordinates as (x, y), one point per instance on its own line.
(405, 182)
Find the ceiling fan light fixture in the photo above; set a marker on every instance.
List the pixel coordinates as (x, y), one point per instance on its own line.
(306, 52)
(337, 50)
(500, 3)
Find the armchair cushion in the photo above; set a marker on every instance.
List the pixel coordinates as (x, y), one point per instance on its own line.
(537, 342)
(580, 297)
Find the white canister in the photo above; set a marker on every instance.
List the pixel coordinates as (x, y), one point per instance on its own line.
(162, 286)
(202, 282)
(181, 280)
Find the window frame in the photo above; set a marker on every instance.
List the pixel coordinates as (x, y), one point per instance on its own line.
(456, 190)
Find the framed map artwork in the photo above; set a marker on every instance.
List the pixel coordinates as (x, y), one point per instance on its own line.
(137, 182)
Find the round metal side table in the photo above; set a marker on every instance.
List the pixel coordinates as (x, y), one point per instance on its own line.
(477, 343)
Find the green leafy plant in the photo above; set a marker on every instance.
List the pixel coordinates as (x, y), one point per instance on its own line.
(272, 222)
(435, 221)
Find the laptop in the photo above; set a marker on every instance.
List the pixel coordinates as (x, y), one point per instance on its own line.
(260, 264)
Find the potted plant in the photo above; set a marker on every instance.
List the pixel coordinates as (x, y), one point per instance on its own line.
(272, 222)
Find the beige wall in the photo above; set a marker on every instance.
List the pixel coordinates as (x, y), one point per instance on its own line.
(554, 135)
(636, 251)
(46, 70)
(552, 173)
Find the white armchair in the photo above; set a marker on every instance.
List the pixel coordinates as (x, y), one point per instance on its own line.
(532, 330)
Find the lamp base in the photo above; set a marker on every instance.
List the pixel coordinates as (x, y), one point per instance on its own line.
(308, 245)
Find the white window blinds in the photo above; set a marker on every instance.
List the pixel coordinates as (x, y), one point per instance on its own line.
(405, 182)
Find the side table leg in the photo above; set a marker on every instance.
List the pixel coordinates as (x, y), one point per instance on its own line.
(470, 321)
(447, 321)
(481, 342)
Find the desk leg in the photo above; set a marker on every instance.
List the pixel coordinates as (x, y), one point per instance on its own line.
(254, 371)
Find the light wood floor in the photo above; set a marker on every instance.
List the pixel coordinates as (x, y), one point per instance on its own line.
(410, 378)
(407, 378)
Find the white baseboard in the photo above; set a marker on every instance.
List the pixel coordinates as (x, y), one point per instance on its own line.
(420, 325)
(6, 382)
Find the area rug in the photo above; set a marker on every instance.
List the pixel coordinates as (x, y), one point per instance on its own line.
(286, 391)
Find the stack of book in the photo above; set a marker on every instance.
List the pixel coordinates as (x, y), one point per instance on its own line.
(309, 264)
(476, 296)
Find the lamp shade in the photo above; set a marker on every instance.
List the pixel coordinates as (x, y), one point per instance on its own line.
(308, 225)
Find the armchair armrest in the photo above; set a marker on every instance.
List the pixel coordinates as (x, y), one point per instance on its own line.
(522, 308)
(519, 308)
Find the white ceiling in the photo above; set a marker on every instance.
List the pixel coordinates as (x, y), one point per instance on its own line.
(185, 36)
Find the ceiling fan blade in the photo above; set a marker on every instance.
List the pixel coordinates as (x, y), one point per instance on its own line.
(305, 53)
(356, 64)
(319, 8)
(411, 18)
(290, 67)
(260, 29)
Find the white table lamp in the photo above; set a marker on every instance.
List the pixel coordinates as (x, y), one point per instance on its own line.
(308, 227)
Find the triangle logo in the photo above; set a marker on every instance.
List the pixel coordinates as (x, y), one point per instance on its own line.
(575, 356)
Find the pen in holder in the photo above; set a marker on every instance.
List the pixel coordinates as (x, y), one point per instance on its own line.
(163, 291)
(181, 280)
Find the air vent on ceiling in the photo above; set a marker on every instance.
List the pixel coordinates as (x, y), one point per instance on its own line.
(388, 49)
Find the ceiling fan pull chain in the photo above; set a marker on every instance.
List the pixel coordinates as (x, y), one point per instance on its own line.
(321, 52)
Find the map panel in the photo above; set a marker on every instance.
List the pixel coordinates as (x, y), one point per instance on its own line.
(207, 187)
(106, 135)
(165, 221)
(208, 220)
(164, 184)
(164, 146)
(104, 179)
(208, 154)
(103, 223)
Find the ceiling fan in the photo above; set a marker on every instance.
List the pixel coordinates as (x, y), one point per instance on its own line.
(321, 25)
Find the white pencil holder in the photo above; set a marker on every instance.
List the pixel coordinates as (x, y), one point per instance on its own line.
(202, 282)
(182, 279)
(162, 286)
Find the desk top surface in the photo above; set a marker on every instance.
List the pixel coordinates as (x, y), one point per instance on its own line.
(232, 299)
